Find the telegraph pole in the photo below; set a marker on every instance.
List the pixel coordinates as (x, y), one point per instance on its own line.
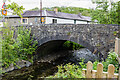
(40, 10)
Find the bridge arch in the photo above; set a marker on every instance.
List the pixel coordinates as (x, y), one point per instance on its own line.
(63, 38)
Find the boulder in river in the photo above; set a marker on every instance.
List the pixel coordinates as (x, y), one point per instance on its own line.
(83, 53)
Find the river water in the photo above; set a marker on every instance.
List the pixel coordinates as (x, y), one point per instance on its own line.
(46, 66)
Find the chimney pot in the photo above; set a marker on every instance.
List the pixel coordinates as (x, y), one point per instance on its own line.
(79, 14)
(56, 10)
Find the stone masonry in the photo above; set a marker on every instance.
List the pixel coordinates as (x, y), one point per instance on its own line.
(98, 38)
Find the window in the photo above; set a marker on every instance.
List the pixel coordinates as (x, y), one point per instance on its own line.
(54, 21)
(74, 21)
(24, 20)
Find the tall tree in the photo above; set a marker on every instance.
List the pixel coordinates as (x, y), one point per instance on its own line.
(72, 10)
(106, 12)
(36, 8)
(15, 8)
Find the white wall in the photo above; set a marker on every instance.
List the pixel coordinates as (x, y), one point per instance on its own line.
(59, 21)
(63, 21)
(81, 22)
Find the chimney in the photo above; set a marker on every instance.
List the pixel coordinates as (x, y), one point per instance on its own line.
(80, 15)
(56, 10)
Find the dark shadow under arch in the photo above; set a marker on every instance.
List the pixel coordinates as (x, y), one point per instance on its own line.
(64, 38)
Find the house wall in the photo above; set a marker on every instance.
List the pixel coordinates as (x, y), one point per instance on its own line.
(33, 20)
(13, 21)
(81, 22)
(36, 20)
(63, 21)
(17, 21)
(59, 21)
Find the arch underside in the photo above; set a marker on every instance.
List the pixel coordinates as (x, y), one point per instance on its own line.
(78, 40)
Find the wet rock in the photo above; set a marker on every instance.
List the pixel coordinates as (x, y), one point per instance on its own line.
(10, 68)
(28, 63)
(83, 53)
(22, 63)
(19, 64)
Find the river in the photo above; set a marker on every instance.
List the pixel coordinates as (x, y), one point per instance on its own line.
(48, 65)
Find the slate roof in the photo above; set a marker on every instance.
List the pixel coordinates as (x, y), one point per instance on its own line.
(53, 14)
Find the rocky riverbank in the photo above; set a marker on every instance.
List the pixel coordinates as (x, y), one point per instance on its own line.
(46, 65)
(19, 64)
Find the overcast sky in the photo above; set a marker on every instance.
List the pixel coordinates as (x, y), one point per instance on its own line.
(29, 4)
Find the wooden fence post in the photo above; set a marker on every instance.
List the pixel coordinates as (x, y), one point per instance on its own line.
(111, 70)
(99, 74)
(89, 69)
(99, 71)
(117, 51)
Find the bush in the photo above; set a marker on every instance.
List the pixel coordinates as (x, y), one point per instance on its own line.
(25, 42)
(16, 45)
(111, 59)
(68, 71)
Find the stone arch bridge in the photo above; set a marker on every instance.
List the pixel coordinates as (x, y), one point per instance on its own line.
(98, 38)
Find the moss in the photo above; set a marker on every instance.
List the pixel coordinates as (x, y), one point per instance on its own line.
(68, 33)
(98, 45)
(72, 45)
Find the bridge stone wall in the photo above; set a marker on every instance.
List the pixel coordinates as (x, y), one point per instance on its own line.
(96, 37)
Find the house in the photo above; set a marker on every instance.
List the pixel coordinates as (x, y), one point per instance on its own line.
(48, 17)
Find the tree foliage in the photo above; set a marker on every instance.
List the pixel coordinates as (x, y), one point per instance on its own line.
(16, 8)
(16, 45)
(111, 59)
(72, 10)
(106, 12)
(36, 8)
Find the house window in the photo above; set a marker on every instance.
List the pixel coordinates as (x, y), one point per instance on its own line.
(24, 20)
(54, 21)
(74, 21)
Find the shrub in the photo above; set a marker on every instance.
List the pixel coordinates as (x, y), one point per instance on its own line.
(111, 59)
(68, 71)
(17, 45)
(25, 42)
